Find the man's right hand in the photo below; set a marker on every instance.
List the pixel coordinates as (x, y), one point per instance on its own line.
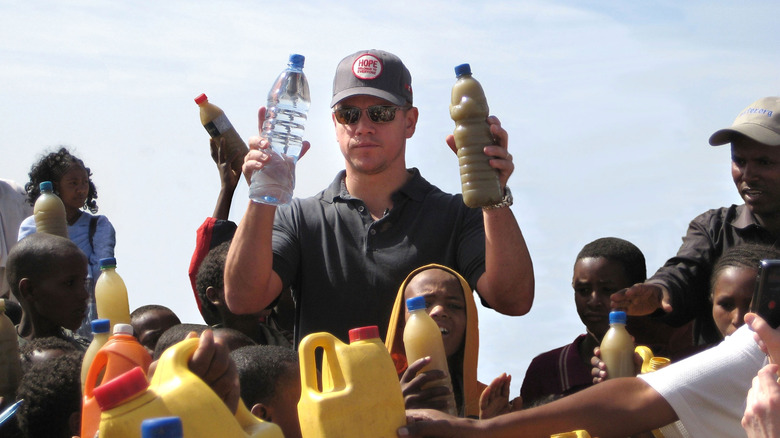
(641, 299)
(256, 156)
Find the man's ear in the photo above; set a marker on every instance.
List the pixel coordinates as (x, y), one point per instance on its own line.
(213, 295)
(25, 289)
(411, 121)
(262, 412)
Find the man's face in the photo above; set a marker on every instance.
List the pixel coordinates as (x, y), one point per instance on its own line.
(372, 147)
(444, 302)
(755, 168)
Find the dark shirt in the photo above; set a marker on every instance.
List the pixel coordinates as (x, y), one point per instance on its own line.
(345, 268)
(558, 372)
(687, 275)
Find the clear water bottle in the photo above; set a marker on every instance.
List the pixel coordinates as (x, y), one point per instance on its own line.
(285, 118)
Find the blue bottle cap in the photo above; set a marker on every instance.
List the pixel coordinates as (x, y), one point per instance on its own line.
(415, 303)
(101, 325)
(297, 60)
(46, 186)
(162, 427)
(108, 262)
(463, 69)
(617, 317)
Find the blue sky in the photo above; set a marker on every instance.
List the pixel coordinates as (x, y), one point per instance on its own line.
(608, 106)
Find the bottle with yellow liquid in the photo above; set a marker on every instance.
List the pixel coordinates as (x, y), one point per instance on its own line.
(10, 366)
(218, 126)
(100, 333)
(111, 294)
(174, 390)
(617, 347)
(363, 397)
(49, 212)
(469, 109)
(422, 338)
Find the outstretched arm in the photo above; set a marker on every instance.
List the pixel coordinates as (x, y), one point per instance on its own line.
(228, 177)
(508, 282)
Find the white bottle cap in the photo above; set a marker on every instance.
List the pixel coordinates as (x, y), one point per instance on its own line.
(124, 329)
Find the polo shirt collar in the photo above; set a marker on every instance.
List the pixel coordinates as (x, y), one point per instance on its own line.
(416, 188)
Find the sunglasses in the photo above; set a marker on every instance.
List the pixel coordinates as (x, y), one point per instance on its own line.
(349, 115)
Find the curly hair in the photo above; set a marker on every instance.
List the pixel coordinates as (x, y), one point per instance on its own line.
(621, 251)
(51, 167)
(211, 273)
(262, 370)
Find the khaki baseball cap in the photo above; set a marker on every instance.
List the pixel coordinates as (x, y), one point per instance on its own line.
(760, 122)
(373, 73)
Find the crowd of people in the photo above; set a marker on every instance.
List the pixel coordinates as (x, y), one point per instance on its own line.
(380, 234)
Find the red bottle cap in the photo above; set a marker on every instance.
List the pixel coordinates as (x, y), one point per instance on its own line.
(363, 333)
(200, 99)
(122, 388)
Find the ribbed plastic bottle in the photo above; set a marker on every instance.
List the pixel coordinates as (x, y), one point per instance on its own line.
(617, 347)
(422, 337)
(285, 119)
(49, 212)
(363, 397)
(101, 330)
(469, 109)
(162, 427)
(121, 353)
(10, 366)
(218, 126)
(111, 294)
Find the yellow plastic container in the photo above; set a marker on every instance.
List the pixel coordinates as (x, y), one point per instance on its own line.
(364, 397)
(175, 391)
(574, 434)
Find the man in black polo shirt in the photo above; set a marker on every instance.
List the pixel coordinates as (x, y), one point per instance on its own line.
(345, 251)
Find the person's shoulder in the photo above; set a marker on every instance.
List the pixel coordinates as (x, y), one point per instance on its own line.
(548, 358)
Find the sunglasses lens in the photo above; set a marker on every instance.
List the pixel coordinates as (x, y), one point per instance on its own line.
(348, 115)
(381, 113)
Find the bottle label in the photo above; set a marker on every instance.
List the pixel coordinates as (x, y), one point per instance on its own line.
(218, 126)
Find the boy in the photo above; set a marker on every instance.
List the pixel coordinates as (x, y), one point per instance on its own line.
(47, 275)
(270, 384)
(150, 322)
(602, 268)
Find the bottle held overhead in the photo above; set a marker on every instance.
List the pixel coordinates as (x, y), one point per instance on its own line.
(218, 126)
(469, 109)
(49, 212)
(285, 119)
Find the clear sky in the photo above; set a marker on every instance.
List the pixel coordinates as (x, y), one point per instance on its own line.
(608, 105)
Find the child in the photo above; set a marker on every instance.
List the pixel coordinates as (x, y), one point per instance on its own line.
(52, 398)
(270, 381)
(41, 350)
(450, 302)
(150, 322)
(211, 292)
(602, 268)
(94, 235)
(733, 282)
(47, 275)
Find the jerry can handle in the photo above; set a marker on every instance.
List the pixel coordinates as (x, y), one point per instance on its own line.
(306, 350)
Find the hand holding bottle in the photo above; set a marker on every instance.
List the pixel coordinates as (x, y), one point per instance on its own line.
(257, 156)
(416, 394)
(501, 159)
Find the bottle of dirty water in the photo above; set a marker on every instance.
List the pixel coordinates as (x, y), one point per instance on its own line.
(617, 347)
(49, 212)
(218, 126)
(469, 109)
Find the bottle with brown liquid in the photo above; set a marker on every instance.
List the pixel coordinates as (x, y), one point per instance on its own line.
(469, 109)
(218, 126)
(617, 347)
(49, 212)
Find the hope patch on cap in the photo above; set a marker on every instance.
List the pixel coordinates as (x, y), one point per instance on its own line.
(367, 67)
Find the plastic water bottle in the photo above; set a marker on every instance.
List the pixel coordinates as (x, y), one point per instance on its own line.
(111, 294)
(218, 126)
(285, 119)
(422, 337)
(617, 347)
(162, 427)
(469, 109)
(49, 212)
(100, 333)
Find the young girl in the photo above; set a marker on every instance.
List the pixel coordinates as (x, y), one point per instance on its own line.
(93, 234)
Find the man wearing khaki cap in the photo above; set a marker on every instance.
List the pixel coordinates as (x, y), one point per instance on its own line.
(345, 251)
(681, 286)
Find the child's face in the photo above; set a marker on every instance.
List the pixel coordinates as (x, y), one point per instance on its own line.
(151, 325)
(594, 280)
(731, 295)
(73, 187)
(444, 301)
(61, 296)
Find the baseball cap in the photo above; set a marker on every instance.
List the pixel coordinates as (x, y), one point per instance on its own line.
(760, 122)
(374, 73)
